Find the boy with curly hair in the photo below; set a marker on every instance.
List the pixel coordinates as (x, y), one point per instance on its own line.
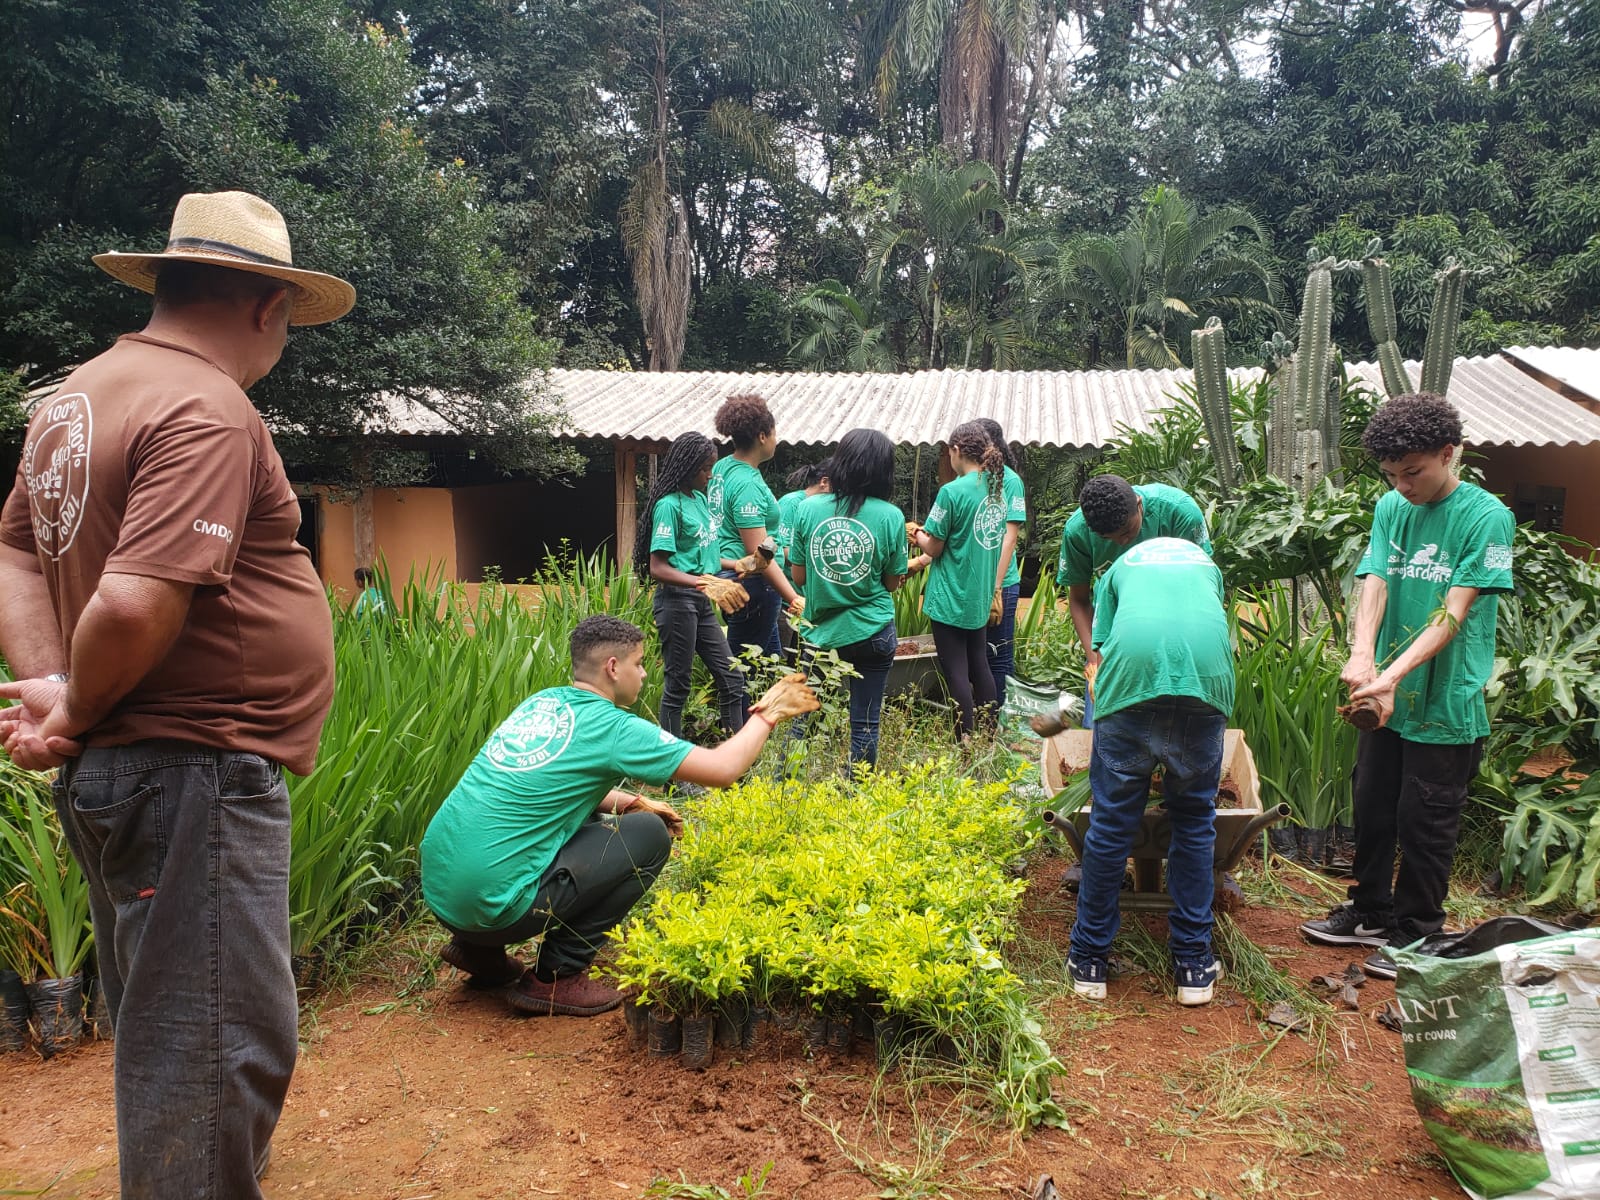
(1421, 654)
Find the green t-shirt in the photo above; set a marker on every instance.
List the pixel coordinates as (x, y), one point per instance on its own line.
(846, 559)
(1168, 512)
(1421, 551)
(1160, 625)
(739, 499)
(1016, 510)
(788, 504)
(681, 526)
(961, 580)
(541, 774)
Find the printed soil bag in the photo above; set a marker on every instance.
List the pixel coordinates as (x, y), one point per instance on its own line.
(1502, 1042)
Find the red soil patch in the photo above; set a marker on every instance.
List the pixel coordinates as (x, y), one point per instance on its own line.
(464, 1099)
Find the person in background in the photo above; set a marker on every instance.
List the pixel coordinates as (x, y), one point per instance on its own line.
(849, 554)
(744, 514)
(1002, 635)
(1421, 655)
(173, 652)
(805, 481)
(1164, 692)
(676, 548)
(1112, 516)
(537, 841)
(369, 599)
(960, 543)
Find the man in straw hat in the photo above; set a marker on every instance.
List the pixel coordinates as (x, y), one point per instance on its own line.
(173, 654)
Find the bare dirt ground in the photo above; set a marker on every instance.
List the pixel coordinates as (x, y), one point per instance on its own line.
(413, 1088)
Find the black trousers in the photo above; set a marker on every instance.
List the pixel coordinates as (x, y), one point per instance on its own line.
(1408, 800)
(688, 626)
(594, 882)
(964, 659)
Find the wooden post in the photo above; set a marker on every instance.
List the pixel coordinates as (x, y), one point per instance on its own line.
(365, 535)
(626, 464)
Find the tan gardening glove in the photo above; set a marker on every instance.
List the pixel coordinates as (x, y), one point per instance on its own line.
(797, 609)
(725, 593)
(1089, 672)
(997, 608)
(789, 697)
(758, 560)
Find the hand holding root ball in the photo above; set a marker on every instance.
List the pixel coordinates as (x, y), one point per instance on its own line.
(725, 593)
(790, 697)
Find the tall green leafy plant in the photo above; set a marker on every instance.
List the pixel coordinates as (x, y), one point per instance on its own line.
(47, 906)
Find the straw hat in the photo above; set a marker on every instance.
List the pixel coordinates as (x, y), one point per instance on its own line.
(238, 230)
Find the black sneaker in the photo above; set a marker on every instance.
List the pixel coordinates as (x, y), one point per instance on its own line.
(1379, 965)
(1344, 926)
(1088, 977)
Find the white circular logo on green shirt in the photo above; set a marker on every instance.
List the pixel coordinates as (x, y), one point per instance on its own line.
(989, 524)
(534, 735)
(842, 550)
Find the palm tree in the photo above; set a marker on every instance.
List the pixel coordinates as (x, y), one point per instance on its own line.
(945, 246)
(1166, 272)
(845, 332)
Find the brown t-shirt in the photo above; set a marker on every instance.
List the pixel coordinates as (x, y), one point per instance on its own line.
(150, 461)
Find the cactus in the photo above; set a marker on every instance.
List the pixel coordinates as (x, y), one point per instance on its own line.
(1383, 324)
(1280, 421)
(1211, 392)
(1308, 464)
(1315, 352)
(1438, 356)
(1333, 416)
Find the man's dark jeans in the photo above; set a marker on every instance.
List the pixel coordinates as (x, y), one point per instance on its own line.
(1408, 797)
(1183, 735)
(594, 882)
(688, 626)
(186, 851)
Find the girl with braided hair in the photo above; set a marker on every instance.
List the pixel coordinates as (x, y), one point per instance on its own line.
(960, 544)
(677, 548)
(1008, 580)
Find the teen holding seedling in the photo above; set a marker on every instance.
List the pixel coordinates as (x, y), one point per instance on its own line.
(1164, 690)
(1422, 651)
(960, 543)
(677, 549)
(849, 554)
(537, 840)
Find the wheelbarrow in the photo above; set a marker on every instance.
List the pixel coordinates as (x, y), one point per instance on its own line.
(1238, 824)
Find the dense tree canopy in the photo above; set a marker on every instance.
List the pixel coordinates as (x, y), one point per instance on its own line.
(840, 184)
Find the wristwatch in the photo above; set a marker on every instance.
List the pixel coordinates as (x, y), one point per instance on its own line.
(58, 677)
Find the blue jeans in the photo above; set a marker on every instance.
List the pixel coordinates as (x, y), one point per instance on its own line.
(688, 626)
(1002, 642)
(872, 657)
(186, 852)
(756, 624)
(1184, 736)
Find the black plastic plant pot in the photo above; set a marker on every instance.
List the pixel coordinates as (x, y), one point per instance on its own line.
(636, 1017)
(57, 1013)
(732, 1014)
(97, 1011)
(1314, 844)
(861, 1020)
(888, 1039)
(814, 1031)
(665, 1037)
(696, 1034)
(839, 1037)
(1285, 841)
(757, 1028)
(13, 1012)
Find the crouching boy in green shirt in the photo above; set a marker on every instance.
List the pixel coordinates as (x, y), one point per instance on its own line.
(537, 841)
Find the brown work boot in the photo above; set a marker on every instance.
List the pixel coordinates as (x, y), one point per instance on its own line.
(486, 966)
(572, 996)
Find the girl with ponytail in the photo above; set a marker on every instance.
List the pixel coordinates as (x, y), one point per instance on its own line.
(1008, 579)
(677, 548)
(960, 544)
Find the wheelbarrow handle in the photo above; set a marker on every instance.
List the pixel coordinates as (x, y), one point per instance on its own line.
(1267, 817)
(1062, 824)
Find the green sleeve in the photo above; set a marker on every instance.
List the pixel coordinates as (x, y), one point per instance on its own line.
(1076, 566)
(1105, 608)
(1376, 560)
(664, 526)
(644, 750)
(1016, 498)
(895, 533)
(748, 501)
(1485, 553)
(938, 523)
(1191, 524)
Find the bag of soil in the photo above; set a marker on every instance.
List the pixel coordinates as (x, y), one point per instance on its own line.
(13, 1012)
(1501, 1031)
